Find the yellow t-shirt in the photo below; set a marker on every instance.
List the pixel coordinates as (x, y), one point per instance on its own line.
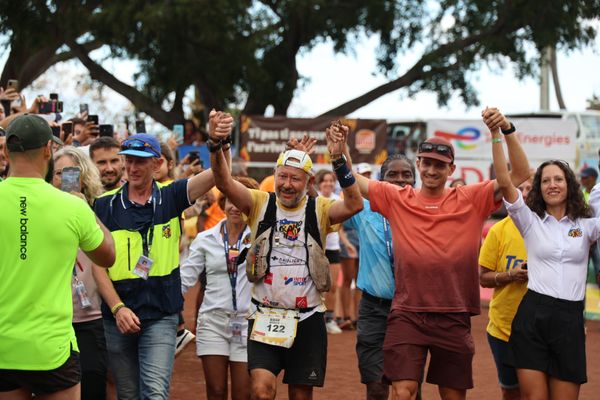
(503, 249)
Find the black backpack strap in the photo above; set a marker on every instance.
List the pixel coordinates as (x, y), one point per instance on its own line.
(269, 221)
(270, 217)
(312, 225)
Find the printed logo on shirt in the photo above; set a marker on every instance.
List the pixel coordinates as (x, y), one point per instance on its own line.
(313, 376)
(297, 281)
(290, 229)
(268, 279)
(513, 262)
(23, 231)
(575, 233)
(301, 302)
(267, 302)
(166, 231)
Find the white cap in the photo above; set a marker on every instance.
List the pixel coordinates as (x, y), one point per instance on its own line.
(363, 168)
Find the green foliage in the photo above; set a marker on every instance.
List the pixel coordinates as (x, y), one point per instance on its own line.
(244, 51)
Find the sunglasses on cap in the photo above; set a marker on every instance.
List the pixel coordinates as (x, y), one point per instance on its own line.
(442, 149)
(139, 145)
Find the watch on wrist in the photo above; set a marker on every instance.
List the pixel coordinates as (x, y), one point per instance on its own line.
(508, 131)
(213, 146)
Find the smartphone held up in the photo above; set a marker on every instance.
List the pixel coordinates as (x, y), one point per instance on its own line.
(70, 179)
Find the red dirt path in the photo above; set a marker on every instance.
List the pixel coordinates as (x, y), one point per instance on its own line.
(343, 382)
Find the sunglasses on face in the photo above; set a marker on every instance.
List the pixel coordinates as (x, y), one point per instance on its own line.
(136, 144)
(442, 149)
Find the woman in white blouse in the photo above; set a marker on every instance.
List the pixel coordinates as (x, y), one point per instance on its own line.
(222, 328)
(548, 339)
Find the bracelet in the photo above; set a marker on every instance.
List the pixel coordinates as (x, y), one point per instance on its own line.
(496, 140)
(509, 275)
(116, 308)
(227, 140)
(509, 130)
(213, 146)
(496, 279)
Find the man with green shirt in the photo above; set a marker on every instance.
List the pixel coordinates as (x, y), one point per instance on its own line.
(42, 228)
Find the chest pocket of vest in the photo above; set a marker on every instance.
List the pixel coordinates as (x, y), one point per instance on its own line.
(257, 259)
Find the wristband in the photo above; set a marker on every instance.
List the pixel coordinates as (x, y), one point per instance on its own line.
(227, 140)
(344, 175)
(509, 130)
(213, 146)
(338, 162)
(496, 278)
(116, 308)
(496, 140)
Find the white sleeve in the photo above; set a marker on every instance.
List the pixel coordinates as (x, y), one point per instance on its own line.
(520, 213)
(193, 266)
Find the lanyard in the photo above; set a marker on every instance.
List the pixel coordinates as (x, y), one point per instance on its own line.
(77, 264)
(146, 241)
(388, 241)
(231, 262)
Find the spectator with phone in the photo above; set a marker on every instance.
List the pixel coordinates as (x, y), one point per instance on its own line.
(104, 152)
(35, 281)
(75, 172)
(436, 274)
(142, 290)
(502, 261)
(85, 131)
(548, 333)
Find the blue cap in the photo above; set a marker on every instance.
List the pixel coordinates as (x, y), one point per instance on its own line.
(141, 145)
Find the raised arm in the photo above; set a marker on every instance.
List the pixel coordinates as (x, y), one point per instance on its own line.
(237, 193)
(504, 184)
(352, 202)
(204, 181)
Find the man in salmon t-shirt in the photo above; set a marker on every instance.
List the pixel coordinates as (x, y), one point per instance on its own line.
(436, 237)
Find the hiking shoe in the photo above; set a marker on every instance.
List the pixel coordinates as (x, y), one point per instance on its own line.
(183, 340)
(332, 327)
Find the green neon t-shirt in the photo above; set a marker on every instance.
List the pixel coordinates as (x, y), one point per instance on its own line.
(41, 230)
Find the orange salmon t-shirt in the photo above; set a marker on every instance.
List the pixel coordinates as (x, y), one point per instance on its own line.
(436, 244)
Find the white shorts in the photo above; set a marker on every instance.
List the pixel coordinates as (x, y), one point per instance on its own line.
(214, 336)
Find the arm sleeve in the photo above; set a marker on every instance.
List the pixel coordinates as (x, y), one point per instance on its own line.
(90, 234)
(259, 200)
(488, 256)
(176, 193)
(521, 215)
(193, 265)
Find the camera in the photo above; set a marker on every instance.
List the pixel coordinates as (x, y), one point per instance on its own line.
(52, 106)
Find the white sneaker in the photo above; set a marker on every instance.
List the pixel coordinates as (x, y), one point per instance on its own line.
(332, 327)
(182, 340)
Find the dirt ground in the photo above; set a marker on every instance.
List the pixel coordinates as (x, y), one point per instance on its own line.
(343, 382)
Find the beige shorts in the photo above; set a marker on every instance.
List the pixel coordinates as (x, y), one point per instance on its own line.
(214, 336)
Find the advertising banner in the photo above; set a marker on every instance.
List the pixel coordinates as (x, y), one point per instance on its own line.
(263, 138)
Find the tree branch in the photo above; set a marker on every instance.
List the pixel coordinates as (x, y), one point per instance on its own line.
(417, 72)
(139, 100)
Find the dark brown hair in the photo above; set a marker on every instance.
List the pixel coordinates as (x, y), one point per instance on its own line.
(576, 205)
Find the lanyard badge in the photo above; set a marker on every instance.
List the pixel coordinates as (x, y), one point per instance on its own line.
(231, 256)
